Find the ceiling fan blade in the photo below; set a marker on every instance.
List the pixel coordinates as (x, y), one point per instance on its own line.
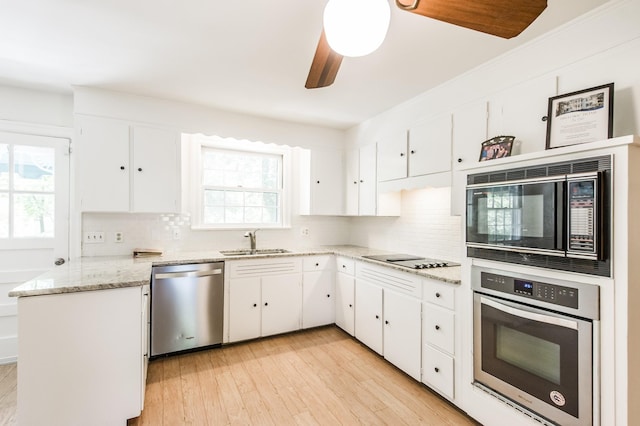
(502, 18)
(324, 67)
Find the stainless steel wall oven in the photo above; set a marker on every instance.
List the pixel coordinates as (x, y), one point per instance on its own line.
(534, 344)
(553, 215)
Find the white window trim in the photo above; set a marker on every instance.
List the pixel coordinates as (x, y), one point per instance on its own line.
(198, 142)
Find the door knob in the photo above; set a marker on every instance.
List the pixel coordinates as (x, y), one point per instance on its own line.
(59, 261)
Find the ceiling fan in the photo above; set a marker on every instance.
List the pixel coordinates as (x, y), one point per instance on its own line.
(502, 18)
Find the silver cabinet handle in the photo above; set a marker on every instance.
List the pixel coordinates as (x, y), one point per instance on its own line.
(186, 274)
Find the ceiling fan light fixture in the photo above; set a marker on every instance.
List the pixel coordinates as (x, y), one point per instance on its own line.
(356, 27)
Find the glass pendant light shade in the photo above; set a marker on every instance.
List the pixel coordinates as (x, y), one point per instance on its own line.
(356, 27)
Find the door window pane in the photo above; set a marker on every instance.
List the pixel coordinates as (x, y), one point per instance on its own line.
(33, 215)
(33, 168)
(4, 167)
(4, 215)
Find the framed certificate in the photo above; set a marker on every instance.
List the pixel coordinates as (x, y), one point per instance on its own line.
(580, 117)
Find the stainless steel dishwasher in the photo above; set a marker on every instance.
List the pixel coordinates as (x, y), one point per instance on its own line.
(187, 304)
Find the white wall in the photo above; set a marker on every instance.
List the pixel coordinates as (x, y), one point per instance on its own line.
(18, 105)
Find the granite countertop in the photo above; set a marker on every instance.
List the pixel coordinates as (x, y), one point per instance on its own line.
(101, 273)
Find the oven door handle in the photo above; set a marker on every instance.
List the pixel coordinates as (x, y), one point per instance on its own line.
(509, 308)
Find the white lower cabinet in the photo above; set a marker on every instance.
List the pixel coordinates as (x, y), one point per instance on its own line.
(80, 357)
(388, 308)
(318, 291)
(281, 304)
(245, 308)
(438, 334)
(437, 371)
(264, 297)
(369, 315)
(345, 294)
(401, 332)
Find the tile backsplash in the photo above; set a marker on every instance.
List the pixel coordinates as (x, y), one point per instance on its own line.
(425, 228)
(172, 232)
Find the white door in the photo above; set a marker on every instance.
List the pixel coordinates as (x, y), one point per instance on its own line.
(34, 218)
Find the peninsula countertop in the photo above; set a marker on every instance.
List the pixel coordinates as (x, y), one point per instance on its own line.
(106, 272)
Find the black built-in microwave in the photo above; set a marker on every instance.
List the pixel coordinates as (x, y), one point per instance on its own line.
(553, 215)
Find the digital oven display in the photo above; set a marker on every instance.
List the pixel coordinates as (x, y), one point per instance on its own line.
(523, 287)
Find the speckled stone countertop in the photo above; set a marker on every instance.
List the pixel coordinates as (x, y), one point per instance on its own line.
(101, 273)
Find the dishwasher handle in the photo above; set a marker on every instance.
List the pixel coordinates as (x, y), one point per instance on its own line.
(187, 274)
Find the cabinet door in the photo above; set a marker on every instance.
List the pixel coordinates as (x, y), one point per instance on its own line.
(318, 298)
(156, 176)
(509, 114)
(402, 332)
(281, 303)
(430, 146)
(392, 157)
(469, 131)
(352, 183)
(369, 315)
(244, 308)
(103, 164)
(326, 183)
(345, 307)
(367, 195)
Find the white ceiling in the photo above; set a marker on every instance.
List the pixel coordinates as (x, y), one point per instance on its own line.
(248, 56)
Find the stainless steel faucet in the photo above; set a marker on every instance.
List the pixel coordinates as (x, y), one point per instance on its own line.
(252, 239)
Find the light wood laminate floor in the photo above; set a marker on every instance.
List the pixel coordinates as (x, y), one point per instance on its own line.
(315, 377)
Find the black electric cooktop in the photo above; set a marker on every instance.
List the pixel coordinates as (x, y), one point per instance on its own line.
(412, 261)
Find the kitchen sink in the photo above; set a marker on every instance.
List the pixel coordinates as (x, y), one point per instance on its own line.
(246, 252)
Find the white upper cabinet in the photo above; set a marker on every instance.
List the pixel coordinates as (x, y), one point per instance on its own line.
(423, 149)
(103, 165)
(392, 156)
(469, 131)
(122, 167)
(360, 188)
(518, 111)
(367, 197)
(430, 146)
(321, 180)
(156, 182)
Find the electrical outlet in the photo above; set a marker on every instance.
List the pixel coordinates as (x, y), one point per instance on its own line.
(118, 237)
(93, 237)
(304, 232)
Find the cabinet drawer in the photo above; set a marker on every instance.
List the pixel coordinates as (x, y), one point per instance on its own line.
(439, 293)
(316, 263)
(437, 371)
(439, 325)
(345, 265)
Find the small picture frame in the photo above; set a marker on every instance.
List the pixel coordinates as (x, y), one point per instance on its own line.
(497, 147)
(580, 117)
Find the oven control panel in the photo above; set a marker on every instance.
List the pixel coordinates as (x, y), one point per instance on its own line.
(545, 292)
